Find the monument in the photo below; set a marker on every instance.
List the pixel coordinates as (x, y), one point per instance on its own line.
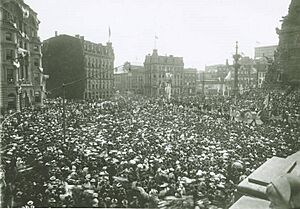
(288, 51)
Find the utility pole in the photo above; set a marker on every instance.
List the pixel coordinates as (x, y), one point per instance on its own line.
(236, 58)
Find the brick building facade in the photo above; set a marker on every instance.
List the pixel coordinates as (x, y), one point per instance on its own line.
(91, 65)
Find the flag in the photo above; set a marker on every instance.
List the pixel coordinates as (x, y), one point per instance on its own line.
(228, 77)
(16, 64)
(109, 32)
(254, 70)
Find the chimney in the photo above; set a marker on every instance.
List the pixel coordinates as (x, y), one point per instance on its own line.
(56, 33)
(82, 37)
(77, 36)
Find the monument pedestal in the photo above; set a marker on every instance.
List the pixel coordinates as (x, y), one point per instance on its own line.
(252, 190)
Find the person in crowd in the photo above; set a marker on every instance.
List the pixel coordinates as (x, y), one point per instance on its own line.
(137, 152)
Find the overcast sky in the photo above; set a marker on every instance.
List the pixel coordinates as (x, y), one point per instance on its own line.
(203, 32)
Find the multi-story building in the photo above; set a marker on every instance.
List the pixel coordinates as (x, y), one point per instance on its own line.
(247, 74)
(22, 82)
(219, 79)
(130, 80)
(213, 79)
(165, 75)
(265, 51)
(189, 81)
(86, 67)
(261, 65)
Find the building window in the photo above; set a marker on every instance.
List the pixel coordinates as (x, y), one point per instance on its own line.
(36, 78)
(36, 62)
(10, 76)
(37, 97)
(36, 48)
(8, 36)
(11, 103)
(9, 54)
(26, 72)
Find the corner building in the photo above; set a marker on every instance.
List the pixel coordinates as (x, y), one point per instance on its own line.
(88, 66)
(22, 80)
(161, 71)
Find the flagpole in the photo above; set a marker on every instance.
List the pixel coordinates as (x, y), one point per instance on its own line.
(109, 34)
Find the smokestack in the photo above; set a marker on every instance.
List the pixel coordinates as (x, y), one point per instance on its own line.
(56, 33)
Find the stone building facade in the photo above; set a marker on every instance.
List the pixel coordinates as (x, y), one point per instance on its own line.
(99, 68)
(87, 66)
(165, 74)
(22, 81)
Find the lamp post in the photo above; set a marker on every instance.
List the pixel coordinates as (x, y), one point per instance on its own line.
(236, 58)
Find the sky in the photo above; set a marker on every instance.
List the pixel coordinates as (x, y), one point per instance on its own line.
(203, 32)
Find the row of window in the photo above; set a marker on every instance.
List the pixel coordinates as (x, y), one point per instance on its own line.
(165, 68)
(10, 38)
(98, 62)
(154, 76)
(96, 49)
(23, 74)
(95, 74)
(93, 86)
(10, 55)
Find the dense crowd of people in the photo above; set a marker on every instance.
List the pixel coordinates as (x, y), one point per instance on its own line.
(136, 152)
